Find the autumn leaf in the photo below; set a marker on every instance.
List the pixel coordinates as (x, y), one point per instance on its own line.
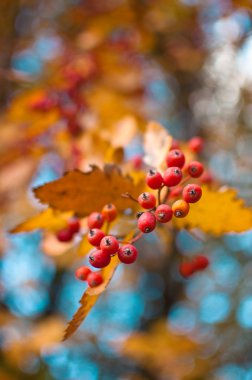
(85, 192)
(218, 212)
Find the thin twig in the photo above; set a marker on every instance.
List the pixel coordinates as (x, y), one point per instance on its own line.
(129, 196)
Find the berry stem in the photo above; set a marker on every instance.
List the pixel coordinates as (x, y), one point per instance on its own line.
(159, 194)
(107, 226)
(166, 195)
(137, 237)
(129, 196)
(184, 180)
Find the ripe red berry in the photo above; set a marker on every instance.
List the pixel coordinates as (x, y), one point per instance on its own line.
(163, 213)
(147, 200)
(94, 279)
(137, 161)
(175, 192)
(192, 193)
(74, 225)
(196, 144)
(95, 220)
(206, 177)
(195, 169)
(64, 235)
(127, 254)
(180, 208)
(154, 179)
(201, 262)
(175, 144)
(175, 158)
(186, 269)
(172, 176)
(109, 245)
(82, 273)
(146, 222)
(99, 259)
(94, 236)
(109, 212)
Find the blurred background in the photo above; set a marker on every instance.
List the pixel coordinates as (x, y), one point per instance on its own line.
(110, 66)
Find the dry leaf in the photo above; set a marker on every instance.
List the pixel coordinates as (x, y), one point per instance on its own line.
(218, 212)
(86, 192)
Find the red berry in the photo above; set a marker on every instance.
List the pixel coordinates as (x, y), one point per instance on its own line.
(99, 259)
(196, 144)
(206, 177)
(95, 220)
(172, 176)
(175, 192)
(127, 254)
(137, 161)
(201, 262)
(64, 235)
(74, 225)
(94, 279)
(82, 273)
(186, 269)
(94, 236)
(109, 212)
(109, 245)
(192, 193)
(180, 208)
(175, 158)
(195, 169)
(154, 179)
(175, 144)
(163, 213)
(146, 222)
(147, 200)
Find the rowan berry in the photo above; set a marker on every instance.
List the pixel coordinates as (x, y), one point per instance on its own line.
(94, 279)
(180, 208)
(175, 192)
(99, 259)
(175, 158)
(154, 179)
(201, 262)
(195, 169)
(95, 220)
(109, 245)
(127, 254)
(192, 193)
(172, 176)
(74, 225)
(137, 161)
(206, 177)
(186, 269)
(109, 212)
(95, 236)
(196, 144)
(163, 213)
(82, 273)
(64, 235)
(147, 200)
(146, 222)
(174, 144)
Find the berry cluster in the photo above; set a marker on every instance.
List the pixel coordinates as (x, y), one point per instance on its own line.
(85, 274)
(188, 268)
(159, 210)
(66, 234)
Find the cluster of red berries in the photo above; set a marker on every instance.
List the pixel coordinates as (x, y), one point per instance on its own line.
(171, 178)
(66, 234)
(188, 268)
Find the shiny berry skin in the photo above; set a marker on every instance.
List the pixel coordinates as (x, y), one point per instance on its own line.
(175, 158)
(146, 222)
(95, 220)
(94, 279)
(95, 236)
(109, 245)
(186, 269)
(172, 176)
(65, 235)
(147, 200)
(195, 169)
(180, 208)
(109, 212)
(99, 259)
(127, 254)
(82, 273)
(201, 262)
(196, 144)
(74, 225)
(163, 213)
(192, 193)
(154, 179)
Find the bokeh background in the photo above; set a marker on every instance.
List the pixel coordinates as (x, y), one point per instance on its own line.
(184, 63)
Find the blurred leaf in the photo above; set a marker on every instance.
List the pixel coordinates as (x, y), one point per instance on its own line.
(218, 212)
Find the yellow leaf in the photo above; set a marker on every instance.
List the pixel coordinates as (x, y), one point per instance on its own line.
(85, 192)
(218, 212)
(48, 219)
